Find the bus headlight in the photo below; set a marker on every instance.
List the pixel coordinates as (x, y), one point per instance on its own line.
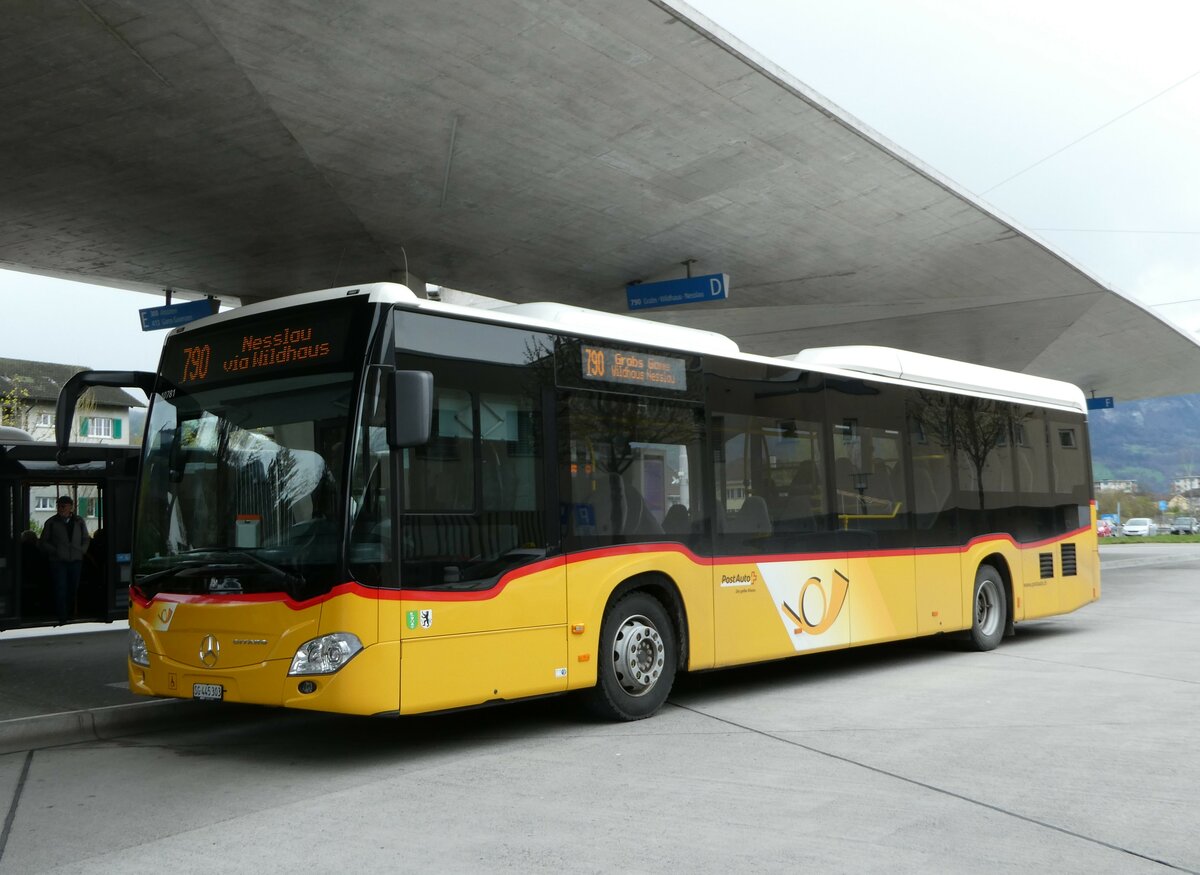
(326, 654)
(137, 649)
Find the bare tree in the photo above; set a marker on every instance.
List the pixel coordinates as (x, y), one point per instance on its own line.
(975, 427)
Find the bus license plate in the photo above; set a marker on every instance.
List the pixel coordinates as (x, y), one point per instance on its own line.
(208, 692)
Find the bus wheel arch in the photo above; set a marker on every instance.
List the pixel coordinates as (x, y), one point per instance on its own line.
(991, 603)
(640, 648)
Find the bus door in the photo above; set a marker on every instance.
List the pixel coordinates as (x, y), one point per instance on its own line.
(780, 572)
(483, 589)
(871, 505)
(634, 503)
(935, 530)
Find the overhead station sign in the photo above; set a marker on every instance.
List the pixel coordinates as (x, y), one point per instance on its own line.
(174, 315)
(668, 293)
(1104, 402)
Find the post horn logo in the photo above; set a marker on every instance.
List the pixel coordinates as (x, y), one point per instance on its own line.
(818, 609)
(210, 650)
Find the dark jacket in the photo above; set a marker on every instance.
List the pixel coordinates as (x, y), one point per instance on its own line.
(65, 540)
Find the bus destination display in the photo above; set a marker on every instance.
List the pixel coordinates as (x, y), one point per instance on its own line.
(255, 348)
(633, 368)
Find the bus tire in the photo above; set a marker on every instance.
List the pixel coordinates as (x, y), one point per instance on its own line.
(638, 656)
(989, 609)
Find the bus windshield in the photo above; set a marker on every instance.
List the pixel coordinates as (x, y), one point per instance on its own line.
(241, 488)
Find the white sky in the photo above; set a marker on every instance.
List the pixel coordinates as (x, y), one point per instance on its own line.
(979, 91)
(51, 320)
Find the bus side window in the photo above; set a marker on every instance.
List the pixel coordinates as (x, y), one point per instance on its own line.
(870, 461)
(932, 449)
(508, 466)
(632, 469)
(440, 476)
(510, 470)
(1033, 475)
(1069, 470)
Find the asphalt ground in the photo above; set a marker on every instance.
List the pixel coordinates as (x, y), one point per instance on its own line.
(1072, 747)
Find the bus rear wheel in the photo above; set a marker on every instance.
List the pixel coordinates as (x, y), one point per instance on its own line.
(990, 609)
(638, 658)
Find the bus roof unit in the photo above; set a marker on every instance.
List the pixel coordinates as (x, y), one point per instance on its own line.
(917, 367)
(580, 320)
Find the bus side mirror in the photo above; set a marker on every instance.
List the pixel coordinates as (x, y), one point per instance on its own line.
(410, 415)
(68, 397)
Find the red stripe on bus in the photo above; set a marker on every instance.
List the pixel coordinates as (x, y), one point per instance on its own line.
(358, 589)
(350, 588)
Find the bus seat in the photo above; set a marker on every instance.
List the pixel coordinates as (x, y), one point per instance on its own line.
(753, 519)
(798, 509)
(677, 520)
(638, 518)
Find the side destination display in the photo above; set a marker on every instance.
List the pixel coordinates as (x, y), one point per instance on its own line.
(633, 368)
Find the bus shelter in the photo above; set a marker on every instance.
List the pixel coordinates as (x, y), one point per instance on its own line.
(101, 483)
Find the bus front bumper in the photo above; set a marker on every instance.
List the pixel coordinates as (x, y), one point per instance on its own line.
(367, 684)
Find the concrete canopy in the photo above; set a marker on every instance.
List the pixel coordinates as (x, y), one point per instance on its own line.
(527, 150)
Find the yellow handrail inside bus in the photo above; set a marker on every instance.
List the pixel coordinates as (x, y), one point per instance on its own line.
(846, 517)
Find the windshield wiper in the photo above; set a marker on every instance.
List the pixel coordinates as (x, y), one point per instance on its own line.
(288, 576)
(223, 556)
(166, 572)
(293, 580)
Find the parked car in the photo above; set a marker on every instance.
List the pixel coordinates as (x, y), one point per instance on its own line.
(1140, 525)
(1105, 529)
(1184, 525)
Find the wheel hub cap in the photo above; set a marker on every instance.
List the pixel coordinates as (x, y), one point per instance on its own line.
(639, 655)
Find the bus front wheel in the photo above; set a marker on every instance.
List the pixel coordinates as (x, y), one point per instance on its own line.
(638, 657)
(990, 609)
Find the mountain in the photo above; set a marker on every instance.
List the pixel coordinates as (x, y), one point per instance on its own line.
(1151, 441)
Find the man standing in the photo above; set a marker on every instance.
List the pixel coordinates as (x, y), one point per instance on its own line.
(65, 539)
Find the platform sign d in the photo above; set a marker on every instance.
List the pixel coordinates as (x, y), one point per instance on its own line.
(173, 315)
(688, 290)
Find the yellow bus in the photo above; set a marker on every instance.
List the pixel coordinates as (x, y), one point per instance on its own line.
(360, 501)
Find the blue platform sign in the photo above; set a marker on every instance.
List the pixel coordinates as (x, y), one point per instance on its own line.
(668, 293)
(173, 315)
(1104, 402)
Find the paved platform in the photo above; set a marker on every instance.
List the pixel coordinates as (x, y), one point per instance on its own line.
(68, 684)
(1071, 748)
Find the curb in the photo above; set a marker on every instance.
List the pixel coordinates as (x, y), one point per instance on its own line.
(96, 724)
